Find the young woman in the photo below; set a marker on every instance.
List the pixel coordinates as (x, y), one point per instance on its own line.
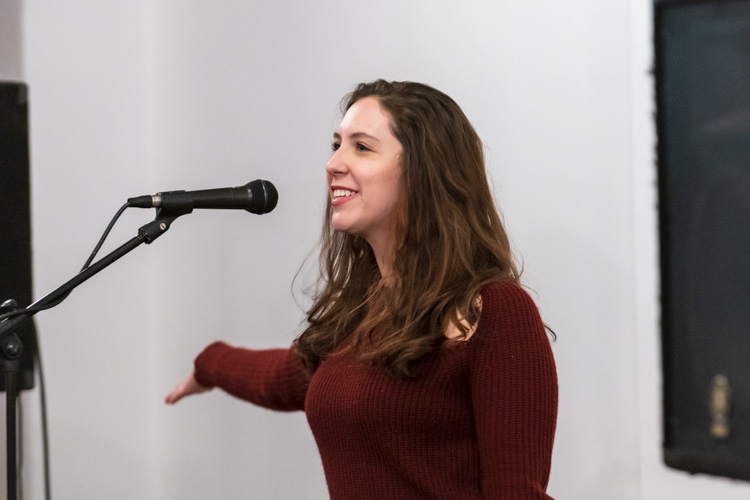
(425, 370)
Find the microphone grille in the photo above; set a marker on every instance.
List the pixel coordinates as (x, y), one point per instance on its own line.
(264, 197)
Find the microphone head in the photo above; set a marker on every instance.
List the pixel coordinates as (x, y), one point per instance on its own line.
(263, 196)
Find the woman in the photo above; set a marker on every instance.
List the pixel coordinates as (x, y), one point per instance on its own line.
(425, 370)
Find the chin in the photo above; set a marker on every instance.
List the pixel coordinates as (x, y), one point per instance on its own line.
(341, 224)
(346, 228)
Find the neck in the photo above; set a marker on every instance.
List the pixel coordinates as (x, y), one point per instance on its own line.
(385, 268)
(384, 256)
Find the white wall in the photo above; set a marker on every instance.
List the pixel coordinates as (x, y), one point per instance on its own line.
(130, 98)
(90, 129)
(11, 54)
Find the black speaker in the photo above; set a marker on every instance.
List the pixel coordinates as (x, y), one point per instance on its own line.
(702, 51)
(15, 227)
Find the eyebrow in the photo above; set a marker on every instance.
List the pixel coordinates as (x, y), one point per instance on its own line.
(357, 135)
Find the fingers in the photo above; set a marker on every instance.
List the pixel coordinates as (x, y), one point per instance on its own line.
(185, 388)
(177, 394)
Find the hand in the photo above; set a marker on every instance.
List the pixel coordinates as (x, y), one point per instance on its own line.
(185, 388)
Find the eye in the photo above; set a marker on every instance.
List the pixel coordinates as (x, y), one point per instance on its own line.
(362, 147)
(335, 146)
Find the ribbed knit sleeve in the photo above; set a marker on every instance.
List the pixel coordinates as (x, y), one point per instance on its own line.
(514, 394)
(272, 378)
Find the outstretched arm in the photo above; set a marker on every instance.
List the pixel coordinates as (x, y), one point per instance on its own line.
(272, 378)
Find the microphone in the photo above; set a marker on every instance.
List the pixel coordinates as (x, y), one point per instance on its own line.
(257, 197)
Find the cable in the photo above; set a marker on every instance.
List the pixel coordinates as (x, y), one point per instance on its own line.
(35, 309)
(104, 236)
(42, 394)
(45, 435)
(38, 358)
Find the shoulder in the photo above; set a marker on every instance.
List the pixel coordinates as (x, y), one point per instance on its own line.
(505, 297)
(508, 311)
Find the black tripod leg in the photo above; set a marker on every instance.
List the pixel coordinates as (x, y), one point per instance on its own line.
(10, 352)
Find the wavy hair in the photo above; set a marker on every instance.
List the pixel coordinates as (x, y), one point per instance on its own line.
(450, 242)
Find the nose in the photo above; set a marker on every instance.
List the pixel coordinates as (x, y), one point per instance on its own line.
(336, 164)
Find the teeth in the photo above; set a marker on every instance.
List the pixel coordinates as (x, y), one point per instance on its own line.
(338, 193)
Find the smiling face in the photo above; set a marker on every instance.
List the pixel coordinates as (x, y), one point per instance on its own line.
(364, 174)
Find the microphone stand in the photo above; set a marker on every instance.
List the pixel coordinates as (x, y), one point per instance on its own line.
(10, 345)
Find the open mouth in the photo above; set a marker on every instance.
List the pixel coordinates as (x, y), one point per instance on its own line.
(338, 194)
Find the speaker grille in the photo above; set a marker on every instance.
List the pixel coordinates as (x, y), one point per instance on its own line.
(703, 111)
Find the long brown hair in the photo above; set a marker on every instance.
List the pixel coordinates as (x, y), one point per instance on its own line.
(449, 238)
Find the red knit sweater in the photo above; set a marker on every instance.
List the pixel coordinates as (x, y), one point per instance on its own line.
(477, 422)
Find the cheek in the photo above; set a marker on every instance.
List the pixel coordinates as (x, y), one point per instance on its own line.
(393, 192)
(396, 184)
(391, 174)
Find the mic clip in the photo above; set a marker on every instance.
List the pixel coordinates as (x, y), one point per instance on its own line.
(161, 223)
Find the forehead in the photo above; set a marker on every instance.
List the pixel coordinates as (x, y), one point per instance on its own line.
(365, 115)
